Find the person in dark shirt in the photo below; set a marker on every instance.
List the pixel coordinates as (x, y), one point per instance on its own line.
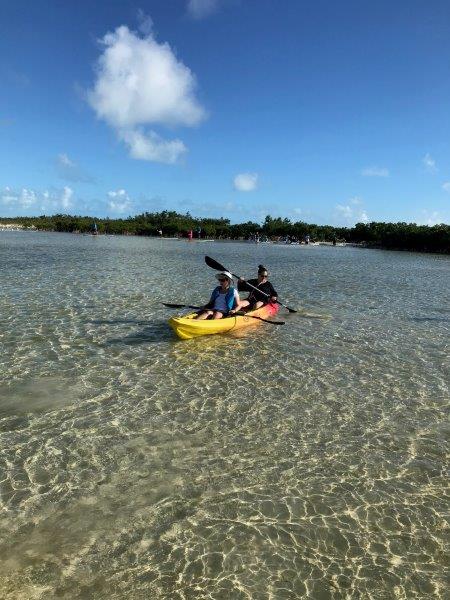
(256, 298)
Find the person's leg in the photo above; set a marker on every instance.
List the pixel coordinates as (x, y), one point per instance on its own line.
(258, 304)
(204, 315)
(243, 304)
(217, 314)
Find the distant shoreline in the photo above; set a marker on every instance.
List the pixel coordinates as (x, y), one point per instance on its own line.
(364, 245)
(171, 225)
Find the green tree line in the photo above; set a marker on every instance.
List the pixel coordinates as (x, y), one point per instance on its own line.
(402, 236)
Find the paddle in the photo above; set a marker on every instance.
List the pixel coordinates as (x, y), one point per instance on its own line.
(218, 267)
(241, 313)
(237, 313)
(169, 305)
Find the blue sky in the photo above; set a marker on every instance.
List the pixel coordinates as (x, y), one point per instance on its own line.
(327, 112)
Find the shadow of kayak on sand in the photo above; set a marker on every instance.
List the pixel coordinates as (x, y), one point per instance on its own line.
(152, 333)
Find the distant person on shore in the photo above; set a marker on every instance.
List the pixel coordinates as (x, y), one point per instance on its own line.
(224, 299)
(264, 294)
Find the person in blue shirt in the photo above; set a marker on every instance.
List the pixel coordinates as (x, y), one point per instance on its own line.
(224, 299)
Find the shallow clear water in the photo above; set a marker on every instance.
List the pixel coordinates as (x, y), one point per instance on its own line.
(303, 461)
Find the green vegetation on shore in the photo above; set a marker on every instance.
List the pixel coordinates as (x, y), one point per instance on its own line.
(400, 236)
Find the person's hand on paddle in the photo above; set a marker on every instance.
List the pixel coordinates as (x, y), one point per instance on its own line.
(273, 299)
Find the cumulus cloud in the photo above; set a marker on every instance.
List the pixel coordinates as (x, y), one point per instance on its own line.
(351, 213)
(446, 186)
(429, 163)
(246, 182)
(152, 147)
(26, 201)
(67, 169)
(375, 172)
(140, 83)
(119, 201)
(199, 9)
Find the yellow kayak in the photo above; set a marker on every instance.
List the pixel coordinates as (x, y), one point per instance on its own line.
(186, 327)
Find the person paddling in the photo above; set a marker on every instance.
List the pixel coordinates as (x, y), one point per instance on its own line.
(256, 299)
(224, 299)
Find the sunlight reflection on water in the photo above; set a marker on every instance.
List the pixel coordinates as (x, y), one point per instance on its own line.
(278, 462)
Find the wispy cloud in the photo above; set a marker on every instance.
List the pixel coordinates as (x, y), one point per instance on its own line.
(375, 172)
(141, 83)
(27, 201)
(246, 182)
(145, 22)
(119, 201)
(431, 218)
(65, 199)
(429, 163)
(351, 213)
(152, 147)
(200, 9)
(446, 186)
(67, 169)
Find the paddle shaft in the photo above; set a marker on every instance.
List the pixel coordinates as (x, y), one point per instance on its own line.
(238, 314)
(218, 267)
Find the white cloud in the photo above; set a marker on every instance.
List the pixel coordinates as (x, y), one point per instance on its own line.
(145, 22)
(26, 201)
(429, 163)
(67, 169)
(65, 160)
(349, 215)
(66, 196)
(199, 9)
(246, 182)
(120, 201)
(140, 83)
(375, 172)
(446, 186)
(152, 147)
(431, 218)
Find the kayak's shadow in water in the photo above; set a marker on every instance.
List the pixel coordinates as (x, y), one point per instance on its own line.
(152, 333)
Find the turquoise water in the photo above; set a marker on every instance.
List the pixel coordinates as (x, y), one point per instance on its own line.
(302, 461)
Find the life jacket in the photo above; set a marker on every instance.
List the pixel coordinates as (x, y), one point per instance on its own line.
(229, 297)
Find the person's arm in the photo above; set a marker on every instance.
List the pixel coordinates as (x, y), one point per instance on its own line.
(272, 293)
(242, 285)
(237, 303)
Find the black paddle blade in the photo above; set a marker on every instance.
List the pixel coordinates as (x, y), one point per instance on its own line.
(214, 264)
(171, 305)
(291, 310)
